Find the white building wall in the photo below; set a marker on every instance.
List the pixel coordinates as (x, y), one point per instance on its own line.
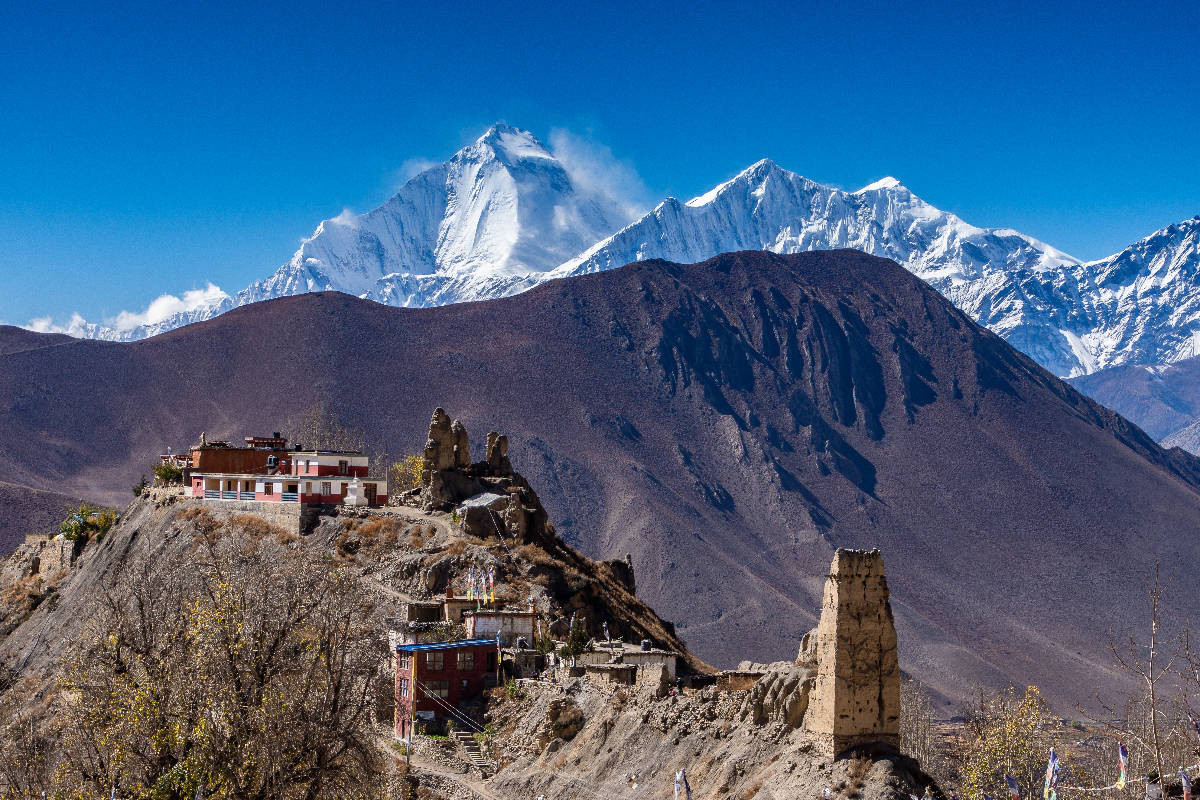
(642, 659)
(483, 625)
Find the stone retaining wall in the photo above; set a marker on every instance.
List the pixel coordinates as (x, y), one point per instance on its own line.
(289, 516)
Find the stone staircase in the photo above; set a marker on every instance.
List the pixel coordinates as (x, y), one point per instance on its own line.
(474, 753)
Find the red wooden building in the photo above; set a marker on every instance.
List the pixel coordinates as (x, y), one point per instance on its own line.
(435, 681)
(296, 476)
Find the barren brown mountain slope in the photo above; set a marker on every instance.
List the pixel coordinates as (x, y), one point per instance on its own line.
(728, 423)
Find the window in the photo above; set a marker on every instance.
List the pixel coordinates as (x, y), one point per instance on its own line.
(326, 488)
(404, 687)
(466, 660)
(405, 661)
(268, 488)
(437, 688)
(343, 492)
(343, 468)
(434, 660)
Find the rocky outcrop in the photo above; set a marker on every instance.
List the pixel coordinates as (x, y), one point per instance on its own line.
(490, 497)
(620, 741)
(447, 446)
(496, 453)
(782, 695)
(856, 698)
(564, 719)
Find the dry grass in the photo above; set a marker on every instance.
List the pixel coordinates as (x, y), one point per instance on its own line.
(535, 555)
(195, 514)
(26, 588)
(257, 528)
(368, 535)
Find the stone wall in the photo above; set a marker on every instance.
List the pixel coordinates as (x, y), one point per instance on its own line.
(856, 699)
(289, 516)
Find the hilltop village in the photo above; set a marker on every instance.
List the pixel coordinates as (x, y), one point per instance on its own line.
(514, 665)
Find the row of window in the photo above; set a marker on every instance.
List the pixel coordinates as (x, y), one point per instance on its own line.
(269, 488)
(432, 688)
(308, 466)
(436, 659)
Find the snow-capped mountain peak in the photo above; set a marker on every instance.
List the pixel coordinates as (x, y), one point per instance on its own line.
(500, 211)
(504, 214)
(510, 144)
(883, 183)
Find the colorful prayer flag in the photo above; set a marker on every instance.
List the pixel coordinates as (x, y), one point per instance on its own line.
(492, 583)
(1195, 724)
(1014, 791)
(1123, 763)
(1050, 791)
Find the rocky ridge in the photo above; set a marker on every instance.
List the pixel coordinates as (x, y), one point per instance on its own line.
(729, 427)
(552, 737)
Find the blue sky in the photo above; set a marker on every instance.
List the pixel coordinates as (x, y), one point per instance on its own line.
(153, 148)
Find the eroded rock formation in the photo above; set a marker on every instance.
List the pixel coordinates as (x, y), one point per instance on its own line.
(491, 498)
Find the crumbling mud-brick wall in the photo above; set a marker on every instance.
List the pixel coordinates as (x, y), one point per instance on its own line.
(856, 700)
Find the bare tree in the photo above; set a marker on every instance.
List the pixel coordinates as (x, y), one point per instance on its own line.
(241, 668)
(1150, 722)
(319, 428)
(918, 735)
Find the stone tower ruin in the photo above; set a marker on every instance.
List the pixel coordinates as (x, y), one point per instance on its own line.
(856, 699)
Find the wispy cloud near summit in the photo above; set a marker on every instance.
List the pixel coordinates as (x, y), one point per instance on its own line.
(593, 168)
(159, 310)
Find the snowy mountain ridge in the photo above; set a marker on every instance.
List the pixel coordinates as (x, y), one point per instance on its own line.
(503, 215)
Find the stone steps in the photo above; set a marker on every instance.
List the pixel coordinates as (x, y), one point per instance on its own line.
(473, 752)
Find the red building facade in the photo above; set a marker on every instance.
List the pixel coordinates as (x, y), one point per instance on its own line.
(435, 681)
(297, 476)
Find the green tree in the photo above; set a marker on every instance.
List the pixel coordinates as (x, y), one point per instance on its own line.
(168, 474)
(577, 639)
(87, 522)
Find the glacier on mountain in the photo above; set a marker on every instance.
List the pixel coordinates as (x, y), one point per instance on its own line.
(504, 215)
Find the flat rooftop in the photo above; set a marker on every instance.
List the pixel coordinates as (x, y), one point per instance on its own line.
(414, 648)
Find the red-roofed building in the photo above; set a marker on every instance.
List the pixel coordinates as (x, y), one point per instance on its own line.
(263, 471)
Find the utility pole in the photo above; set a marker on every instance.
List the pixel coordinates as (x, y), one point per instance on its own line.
(412, 706)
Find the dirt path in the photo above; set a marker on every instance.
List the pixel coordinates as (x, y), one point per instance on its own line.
(467, 780)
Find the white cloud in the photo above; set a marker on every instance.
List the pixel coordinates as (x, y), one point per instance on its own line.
(593, 167)
(76, 326)
(168, 305)
(160, 309)
(347, 217)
